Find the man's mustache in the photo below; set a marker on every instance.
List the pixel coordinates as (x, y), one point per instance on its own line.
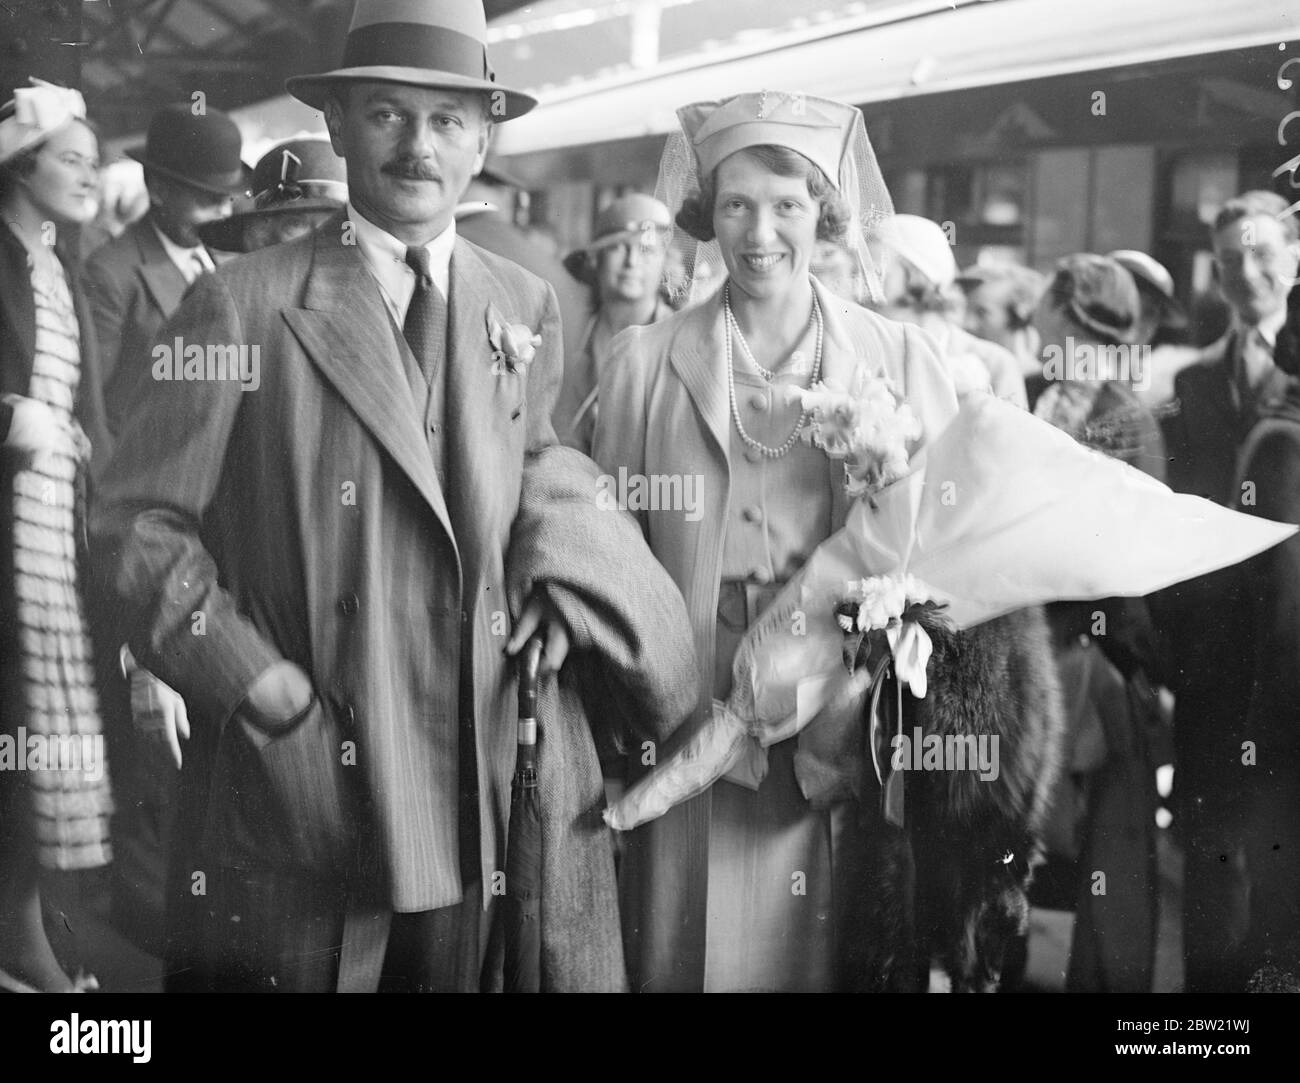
(410, 169)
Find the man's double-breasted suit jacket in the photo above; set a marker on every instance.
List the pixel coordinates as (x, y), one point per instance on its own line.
(304, 519)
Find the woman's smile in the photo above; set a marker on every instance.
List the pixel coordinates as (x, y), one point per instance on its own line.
(762, 262)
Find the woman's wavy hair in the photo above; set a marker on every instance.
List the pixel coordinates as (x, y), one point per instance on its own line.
(696, 214)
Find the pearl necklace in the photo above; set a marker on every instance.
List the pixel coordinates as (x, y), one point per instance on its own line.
(749, 441)
(734, 327)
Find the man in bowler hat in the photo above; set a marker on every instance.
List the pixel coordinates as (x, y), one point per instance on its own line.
(133, 283)
(193, 172)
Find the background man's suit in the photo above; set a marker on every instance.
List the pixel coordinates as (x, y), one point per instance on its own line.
(1207, 626)
(305, 521)
(133, 287)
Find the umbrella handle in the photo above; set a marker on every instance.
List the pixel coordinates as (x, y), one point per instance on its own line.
(530, 665)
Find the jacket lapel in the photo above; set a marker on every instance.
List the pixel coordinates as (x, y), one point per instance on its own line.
(482, 406)
(16, 294)
(698, 356)
(162, 278)
(843, 351)
(345, 329)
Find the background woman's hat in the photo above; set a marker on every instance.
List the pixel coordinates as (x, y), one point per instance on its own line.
(35, 113)
(1099, 293)
(298, 176)
(635, 216)
(201, 151)
(425, 43)
(1153, 277)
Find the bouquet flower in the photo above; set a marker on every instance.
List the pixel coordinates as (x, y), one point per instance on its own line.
(997, 512)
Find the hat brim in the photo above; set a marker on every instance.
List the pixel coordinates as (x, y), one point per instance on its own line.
(578, 265)
(232, 189)
(314, 90)
(227, 234)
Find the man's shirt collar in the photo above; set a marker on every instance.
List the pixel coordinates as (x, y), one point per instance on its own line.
(385, 256)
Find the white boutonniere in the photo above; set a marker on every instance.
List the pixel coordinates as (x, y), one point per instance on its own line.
(514, 345)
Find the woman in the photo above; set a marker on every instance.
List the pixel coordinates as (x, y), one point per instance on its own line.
(920, 288)
(1106, 650)
(746, 887)
(623, 267)
(55, 817)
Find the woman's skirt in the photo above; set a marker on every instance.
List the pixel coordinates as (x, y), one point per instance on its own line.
(784, 877)
(53, 771)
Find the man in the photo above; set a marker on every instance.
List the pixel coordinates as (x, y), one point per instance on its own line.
(133, 283)
(1219, 398)
(1267, 783)
(623, 268)
(316, 559)
(297, 185)
(193, 172)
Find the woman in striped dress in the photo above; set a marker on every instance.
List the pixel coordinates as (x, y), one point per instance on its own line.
(54, 791)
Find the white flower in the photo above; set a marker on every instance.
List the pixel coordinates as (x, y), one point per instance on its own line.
(869, 427)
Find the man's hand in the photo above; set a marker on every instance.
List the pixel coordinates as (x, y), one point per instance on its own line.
(540, 611)
(158, 712)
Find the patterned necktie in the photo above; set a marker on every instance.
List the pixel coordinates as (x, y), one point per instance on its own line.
(426, 318)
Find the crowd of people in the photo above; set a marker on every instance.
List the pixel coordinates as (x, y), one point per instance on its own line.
(288, 594)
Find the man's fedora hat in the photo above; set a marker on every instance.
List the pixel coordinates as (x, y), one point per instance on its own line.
(425, 43)
(201, 151)
(298, 176)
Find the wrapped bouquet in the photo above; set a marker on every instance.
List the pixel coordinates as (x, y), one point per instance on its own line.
(997, 512)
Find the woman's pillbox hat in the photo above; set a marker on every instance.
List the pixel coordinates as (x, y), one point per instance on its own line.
(818, 128)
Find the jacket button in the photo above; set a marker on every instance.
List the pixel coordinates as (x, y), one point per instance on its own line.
(349, 604)
(752, 514)
(753, 455)
(759, 575)
(758, 402)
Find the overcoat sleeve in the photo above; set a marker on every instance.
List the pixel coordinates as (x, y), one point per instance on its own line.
(150, 562)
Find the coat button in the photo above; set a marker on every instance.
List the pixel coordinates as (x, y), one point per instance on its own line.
(758, 402)
(753, 455)
(752, 514)
(435, 428)
(349, 604)
(759, 575)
